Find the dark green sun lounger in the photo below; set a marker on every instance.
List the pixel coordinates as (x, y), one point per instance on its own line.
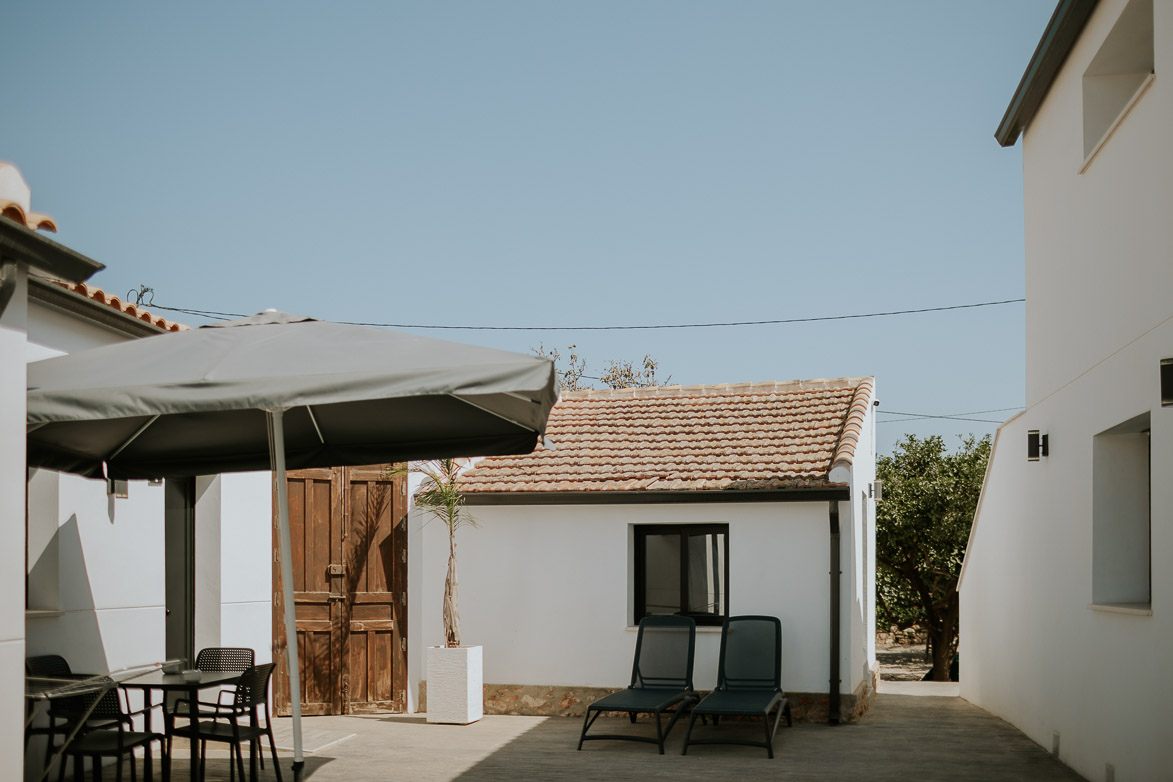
(749, 681)
(661, 679)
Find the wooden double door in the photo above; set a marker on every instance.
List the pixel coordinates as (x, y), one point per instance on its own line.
(349, 533)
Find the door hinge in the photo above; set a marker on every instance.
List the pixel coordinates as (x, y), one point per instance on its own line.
(337, 570)
(402, 598)
(403, 644)
(403, 556)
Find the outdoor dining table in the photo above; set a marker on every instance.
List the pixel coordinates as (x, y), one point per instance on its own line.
(175, 682)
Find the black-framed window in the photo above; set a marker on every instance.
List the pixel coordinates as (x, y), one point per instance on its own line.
(682, 569)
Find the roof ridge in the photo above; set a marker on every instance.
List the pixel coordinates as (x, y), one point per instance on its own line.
(718, 389)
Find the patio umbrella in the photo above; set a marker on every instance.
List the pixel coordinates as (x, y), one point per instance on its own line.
(277, 391)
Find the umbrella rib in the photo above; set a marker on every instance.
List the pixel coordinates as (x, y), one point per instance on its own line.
(314, 421)
(493, 413)
(133, 437)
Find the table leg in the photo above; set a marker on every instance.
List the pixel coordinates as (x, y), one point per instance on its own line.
(193, 728)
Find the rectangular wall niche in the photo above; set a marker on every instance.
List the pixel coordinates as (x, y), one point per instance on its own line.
(1121, 558)
(1117, 75)
(1167, 382)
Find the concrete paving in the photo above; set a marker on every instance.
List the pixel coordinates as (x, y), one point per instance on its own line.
(904, 737)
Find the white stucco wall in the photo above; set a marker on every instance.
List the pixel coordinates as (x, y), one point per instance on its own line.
(547, 590)
(246, 562)
(1099, 285)
(12, 478)
(1098, 270)
(1033, 651)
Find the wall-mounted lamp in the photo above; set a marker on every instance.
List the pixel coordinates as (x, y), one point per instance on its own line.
(876, 490)
(1167, 382)
(1036, 445)
(117, 488)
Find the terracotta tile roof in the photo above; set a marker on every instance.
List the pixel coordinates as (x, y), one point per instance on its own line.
(100, 296)
(695, 438)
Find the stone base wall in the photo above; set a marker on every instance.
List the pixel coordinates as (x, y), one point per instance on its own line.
(561, 701)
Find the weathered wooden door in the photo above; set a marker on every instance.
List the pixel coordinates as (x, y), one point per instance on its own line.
(349, 532)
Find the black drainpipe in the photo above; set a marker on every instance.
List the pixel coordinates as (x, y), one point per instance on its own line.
(836, 573)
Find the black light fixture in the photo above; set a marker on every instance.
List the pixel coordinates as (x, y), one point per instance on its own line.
(1036, 445)
(1167, 382)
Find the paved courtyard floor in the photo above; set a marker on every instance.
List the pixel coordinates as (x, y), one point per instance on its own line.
(904, 737)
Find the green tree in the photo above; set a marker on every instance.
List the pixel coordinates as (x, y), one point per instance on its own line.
(922, 528)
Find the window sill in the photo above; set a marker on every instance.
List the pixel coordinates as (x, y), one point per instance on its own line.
(1136, 609)
(699, 628)
(38, 613)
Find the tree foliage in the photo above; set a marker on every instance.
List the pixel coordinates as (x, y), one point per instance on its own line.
(571, 370)
(922, 528)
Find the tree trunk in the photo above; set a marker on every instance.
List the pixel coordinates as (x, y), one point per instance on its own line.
(943, 637)
(451, 603)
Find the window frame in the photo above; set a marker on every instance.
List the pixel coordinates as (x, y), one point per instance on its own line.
(642, 531)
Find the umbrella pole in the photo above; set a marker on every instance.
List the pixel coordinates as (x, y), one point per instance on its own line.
(277, 458)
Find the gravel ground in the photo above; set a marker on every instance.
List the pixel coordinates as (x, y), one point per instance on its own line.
(899, 663)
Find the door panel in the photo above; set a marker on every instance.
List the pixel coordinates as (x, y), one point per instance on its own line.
(349, 532)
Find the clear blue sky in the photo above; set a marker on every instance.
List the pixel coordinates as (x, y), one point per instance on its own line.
(555, 163)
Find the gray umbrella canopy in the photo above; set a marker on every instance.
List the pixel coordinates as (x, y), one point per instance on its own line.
(277, 391)
(194, 402)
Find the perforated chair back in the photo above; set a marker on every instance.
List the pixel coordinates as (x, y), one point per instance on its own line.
(75, 707)
(664, 652)
(47, 665)
(225, 658)
(252, 687)
(751, 653)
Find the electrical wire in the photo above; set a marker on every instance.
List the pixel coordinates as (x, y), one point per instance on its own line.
(720, 324)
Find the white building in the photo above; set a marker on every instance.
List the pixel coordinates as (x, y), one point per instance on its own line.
(22, 251)
(751, 489)
(112, 580)
(1065, 629)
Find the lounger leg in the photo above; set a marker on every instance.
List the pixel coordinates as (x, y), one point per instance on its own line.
(770, 732)
(789, 722)
(659, 734)
(688, 734)
(587, 721)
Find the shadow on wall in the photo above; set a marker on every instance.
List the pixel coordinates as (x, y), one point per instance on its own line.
(75, 633)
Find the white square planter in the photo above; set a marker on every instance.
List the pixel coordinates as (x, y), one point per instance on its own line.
(455, 678)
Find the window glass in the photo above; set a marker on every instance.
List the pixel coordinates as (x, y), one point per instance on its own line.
(706, 573)
(682, 569)
(662, 569)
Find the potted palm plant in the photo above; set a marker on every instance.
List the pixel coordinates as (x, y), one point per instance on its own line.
(454, 671)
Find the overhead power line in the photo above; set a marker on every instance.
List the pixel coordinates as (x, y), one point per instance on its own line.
(779, 321)
(953, 417)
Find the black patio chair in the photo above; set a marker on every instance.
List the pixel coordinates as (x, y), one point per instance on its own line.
(54, 666)
(212, 658)
(116, 741)
(661, 679)
(228, 725)
(749, 680)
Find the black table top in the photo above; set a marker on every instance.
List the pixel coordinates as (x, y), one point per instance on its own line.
(157, 680)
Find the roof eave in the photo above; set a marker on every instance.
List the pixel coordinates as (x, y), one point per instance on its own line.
(816, 494)
(1067, 22)
(19, 244)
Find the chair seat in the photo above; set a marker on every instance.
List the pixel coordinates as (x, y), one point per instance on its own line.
(222, 731)
(106, 742)
(732, 702)
(642, 699)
